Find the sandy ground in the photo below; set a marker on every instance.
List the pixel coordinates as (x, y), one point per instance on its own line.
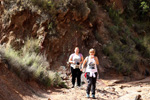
(107, 90)
(12, 88)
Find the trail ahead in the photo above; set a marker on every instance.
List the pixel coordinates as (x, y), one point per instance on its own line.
(12, 88)
(107, 90)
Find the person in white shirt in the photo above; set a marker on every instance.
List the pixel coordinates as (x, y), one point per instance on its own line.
(91, 70)
(76, 60)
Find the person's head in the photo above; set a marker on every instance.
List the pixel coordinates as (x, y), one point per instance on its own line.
(92, 52)
(76, 50)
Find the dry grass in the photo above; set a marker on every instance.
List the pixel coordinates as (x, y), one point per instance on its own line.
(29, 65)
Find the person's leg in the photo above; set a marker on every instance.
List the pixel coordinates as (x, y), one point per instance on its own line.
(89, 83)
(78, 77)
(73, 76)
(94, 85)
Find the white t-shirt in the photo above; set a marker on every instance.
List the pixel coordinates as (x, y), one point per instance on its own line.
(91, 65)
(76, 58)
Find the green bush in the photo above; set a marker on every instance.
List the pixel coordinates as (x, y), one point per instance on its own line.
(31, 45)
(51, 6)
(137, 10)
(31, 65)
(80, 8)
(44, 4)
(122, 56)
(114, 30)
(143, 46)
(114, 14)
(145, 6)
(94, 10)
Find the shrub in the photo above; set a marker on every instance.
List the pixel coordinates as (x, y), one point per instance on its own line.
(137, 9)
(51, 6)
(80, 9)
(122, 56)
(145, 7)
(94, 10)
(114, 30)
(44, 4)
(31, 65)
(31, 45)
(143, 46)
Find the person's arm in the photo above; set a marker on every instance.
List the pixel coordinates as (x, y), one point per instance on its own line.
(97, 61)
(70, 60)
(84, 62)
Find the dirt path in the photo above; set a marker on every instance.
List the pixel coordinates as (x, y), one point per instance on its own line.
(12, 88)
(107, 90)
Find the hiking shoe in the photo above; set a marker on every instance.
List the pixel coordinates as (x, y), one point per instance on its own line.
(87, 95)
(72, 86)
(93, 96)
(78, 87)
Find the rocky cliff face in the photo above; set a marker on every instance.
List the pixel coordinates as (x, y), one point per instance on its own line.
(69, 30)
(72, 23)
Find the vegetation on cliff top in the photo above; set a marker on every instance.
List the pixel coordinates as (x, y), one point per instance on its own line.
(129, 30)
(129, 35)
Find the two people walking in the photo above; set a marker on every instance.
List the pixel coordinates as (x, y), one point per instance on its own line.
(92, 61)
